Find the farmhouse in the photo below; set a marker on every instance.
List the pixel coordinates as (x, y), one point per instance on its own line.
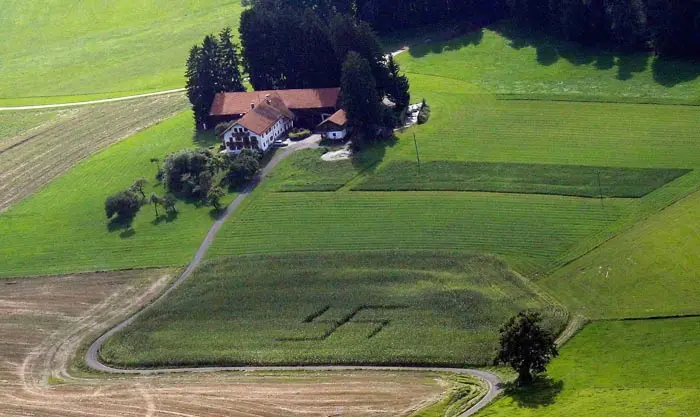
(261, 117)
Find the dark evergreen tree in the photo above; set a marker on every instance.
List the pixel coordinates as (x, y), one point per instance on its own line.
(359, 94)
(398, 86)
(228, 71)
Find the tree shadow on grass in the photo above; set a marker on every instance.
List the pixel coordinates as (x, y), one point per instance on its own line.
(671, 72)
(628, 64)
(205, 138)
(541, 393)
(165, 218)
(367, 159)
(446, 43)
(118, 223)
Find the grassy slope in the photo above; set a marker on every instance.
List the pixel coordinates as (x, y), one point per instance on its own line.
(574, 180)
(28, 160)
(442, 308)
(507, 224)
(101, 48)
(649, 271)
(502, 61)
(63, 227)
(635, 369)
(306, 171)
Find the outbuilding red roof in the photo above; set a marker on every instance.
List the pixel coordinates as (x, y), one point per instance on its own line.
(238, 103)
(338, 118)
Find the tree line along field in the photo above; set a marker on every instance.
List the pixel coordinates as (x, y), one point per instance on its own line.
(38, 146)
(54, 52)
(421, 307)
(63, 227)
(621, 368)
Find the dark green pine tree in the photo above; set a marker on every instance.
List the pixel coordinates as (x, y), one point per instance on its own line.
(228, 64)
(359, 94)
(194, 86)
(201, 76)
(398, 86)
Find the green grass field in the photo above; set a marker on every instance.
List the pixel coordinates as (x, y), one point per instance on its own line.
(572, 180)
(63, 227)
(511, 64)
(533, 232)
(652, 270)
(367, 307)
(630, 368)
(306, 171)
(56, 52)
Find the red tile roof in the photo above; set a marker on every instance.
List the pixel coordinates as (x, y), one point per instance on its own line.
(265, 115)
(230, 104)
(338, 118)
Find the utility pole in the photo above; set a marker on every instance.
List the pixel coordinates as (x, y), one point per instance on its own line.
(417, 155)
(600, 189)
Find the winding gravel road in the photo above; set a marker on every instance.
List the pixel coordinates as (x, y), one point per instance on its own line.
(92, 356)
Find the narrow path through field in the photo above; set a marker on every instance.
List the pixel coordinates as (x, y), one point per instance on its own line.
(92, 356)
(85, 103)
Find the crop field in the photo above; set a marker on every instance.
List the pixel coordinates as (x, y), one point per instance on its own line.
(511, 64)
(56, 52)
(44, 320)
(618, 368)
(510, 225)
(63, 227)
(349, 308)
(581, 181)
(38, 146)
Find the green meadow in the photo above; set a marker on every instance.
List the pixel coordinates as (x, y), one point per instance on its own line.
(510, 63)
(63, 228)
(407, 307)
(55, 51)
(617, 368)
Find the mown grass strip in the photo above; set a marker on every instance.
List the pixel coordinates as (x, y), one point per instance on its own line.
(571, 180)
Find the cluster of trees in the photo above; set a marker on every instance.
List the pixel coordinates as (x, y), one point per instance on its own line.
(316, 44)
(669, 27)
(212, 67)
(201, 175)
(123, 206)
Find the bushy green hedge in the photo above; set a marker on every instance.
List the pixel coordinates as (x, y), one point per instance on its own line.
(299, 134)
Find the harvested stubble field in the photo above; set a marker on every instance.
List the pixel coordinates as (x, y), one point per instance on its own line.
(644, 368)
(55, 52)
(38, 146)
(384, 308)
(45, 320)
(63, 227)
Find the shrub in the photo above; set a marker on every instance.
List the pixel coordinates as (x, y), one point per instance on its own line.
(221, 128)
(423, 113)
(243, 168)
(125, 204)
(300, 134)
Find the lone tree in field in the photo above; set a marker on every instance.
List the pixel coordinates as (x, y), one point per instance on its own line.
(125, 204)
(526, 346)
(156, 200)
(214, 197)
(138, 186)
(398, 86)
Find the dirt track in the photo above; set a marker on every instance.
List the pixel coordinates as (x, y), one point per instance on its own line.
(43, 321)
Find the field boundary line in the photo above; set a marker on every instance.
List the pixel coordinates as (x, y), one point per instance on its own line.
(85, 103)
